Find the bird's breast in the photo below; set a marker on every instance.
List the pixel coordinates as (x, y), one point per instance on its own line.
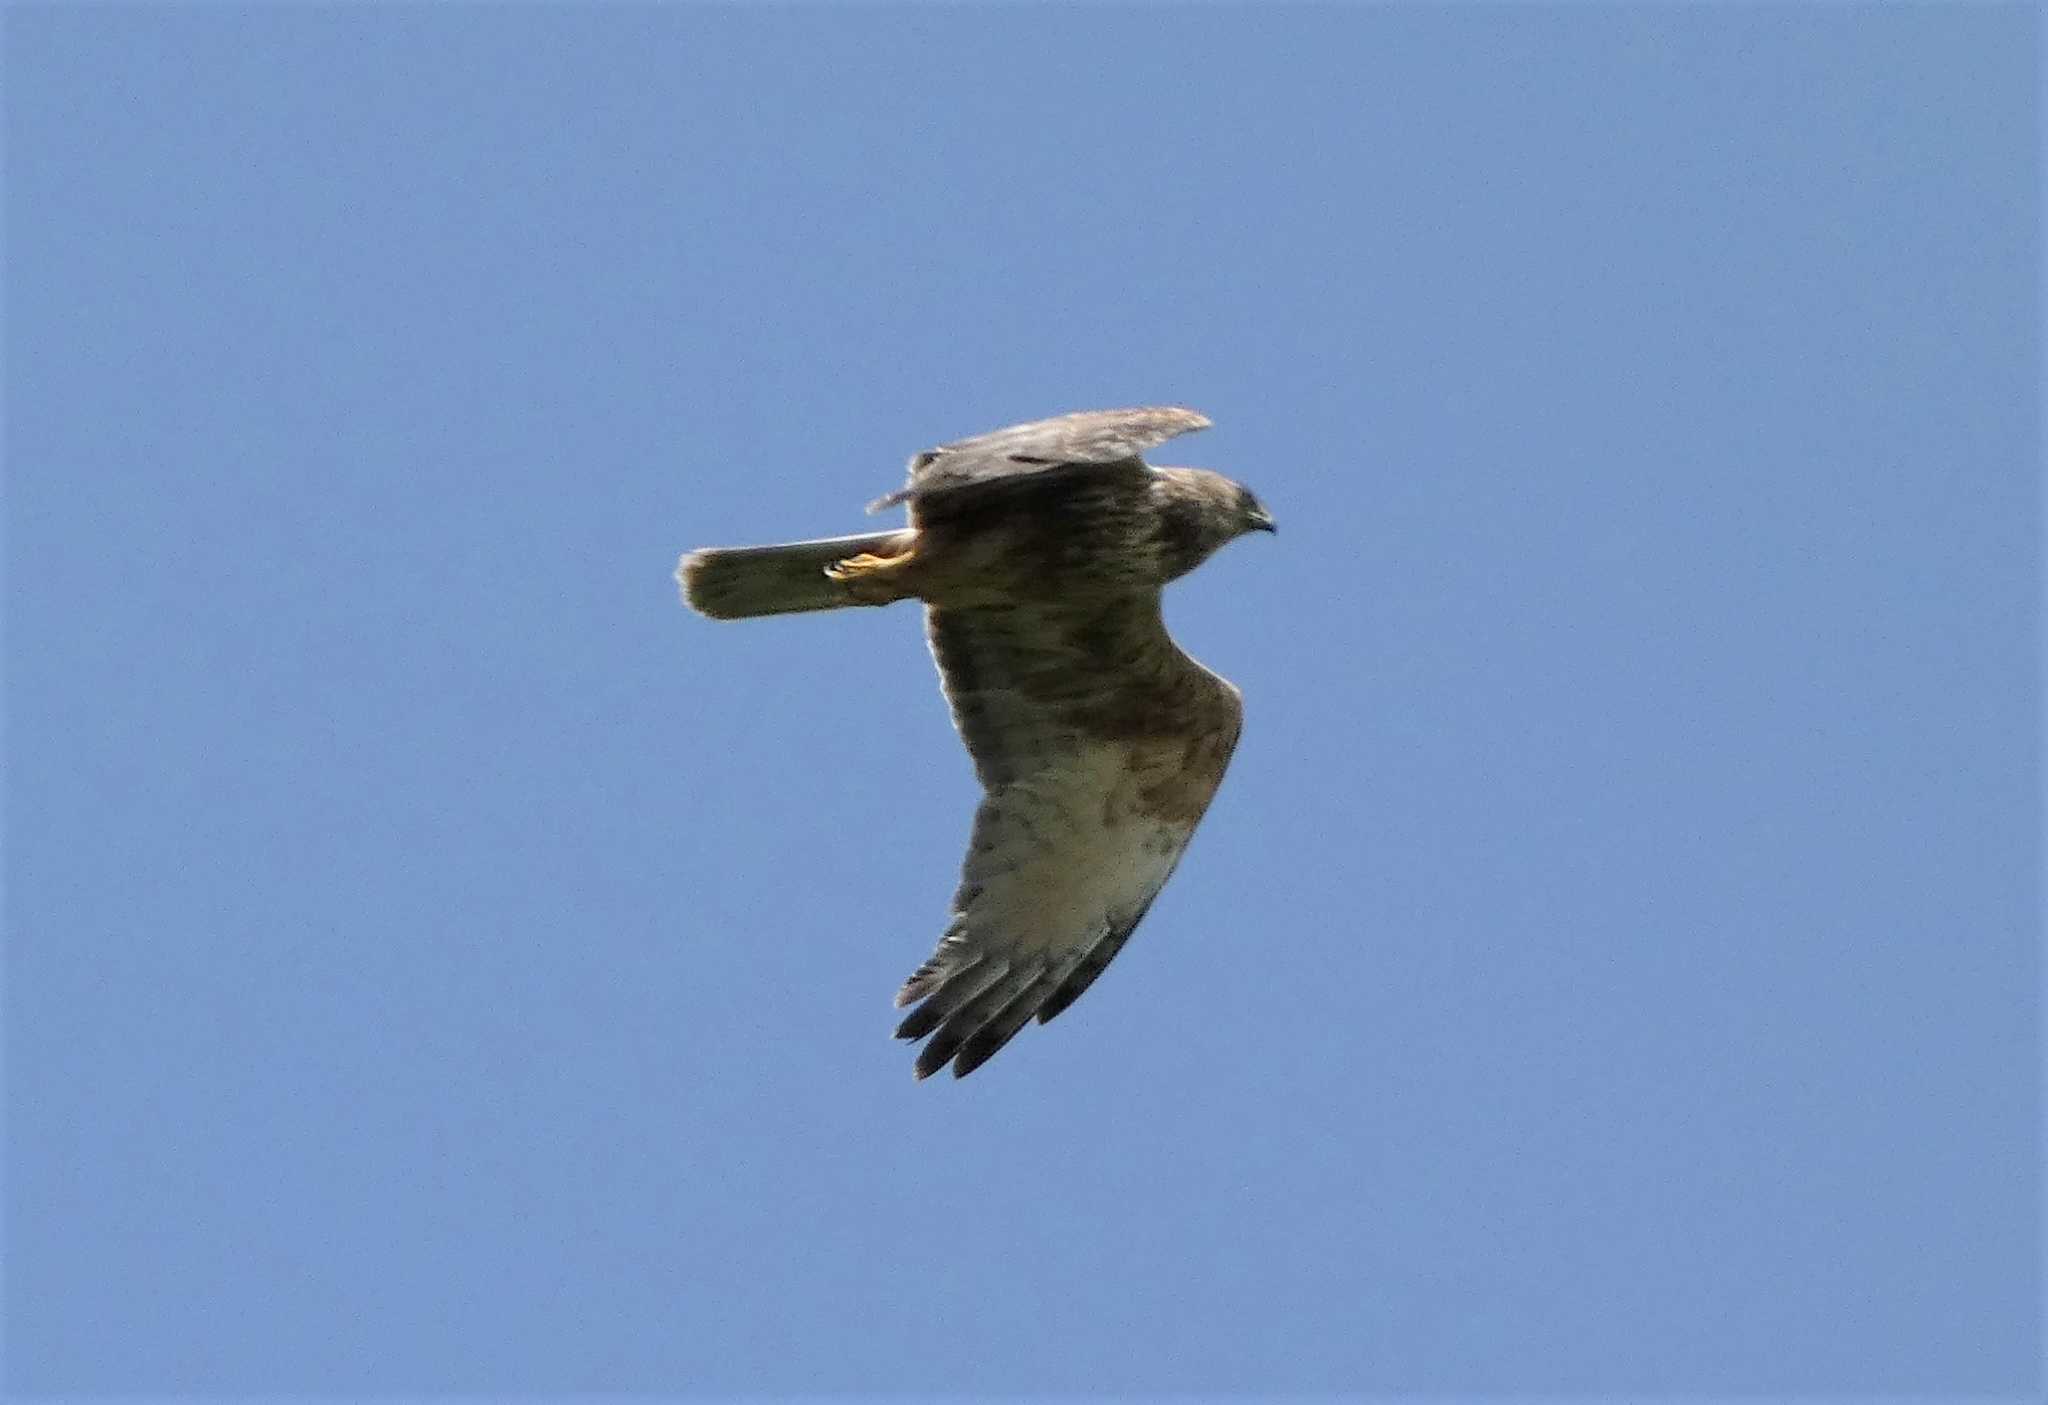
(1042, 546)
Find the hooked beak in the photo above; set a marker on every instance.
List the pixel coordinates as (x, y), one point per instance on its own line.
(1262, 521)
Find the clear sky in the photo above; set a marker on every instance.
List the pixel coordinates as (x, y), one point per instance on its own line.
(438, 963)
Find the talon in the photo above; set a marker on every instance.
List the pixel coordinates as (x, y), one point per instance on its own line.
(871, 579)
(855, 566)
(865, 564)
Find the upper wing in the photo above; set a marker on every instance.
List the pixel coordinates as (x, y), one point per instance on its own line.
(1090, 437)
(1099, 744)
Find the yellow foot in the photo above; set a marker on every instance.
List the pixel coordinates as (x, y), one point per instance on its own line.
(871, 580)
(854, 567)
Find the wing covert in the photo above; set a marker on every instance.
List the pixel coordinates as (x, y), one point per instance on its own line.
(1088, 439)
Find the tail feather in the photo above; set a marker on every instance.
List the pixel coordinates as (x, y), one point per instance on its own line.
(741, 582)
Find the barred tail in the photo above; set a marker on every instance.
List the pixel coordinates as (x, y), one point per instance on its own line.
(740, 582)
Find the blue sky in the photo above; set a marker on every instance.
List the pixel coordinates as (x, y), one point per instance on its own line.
(437, 963)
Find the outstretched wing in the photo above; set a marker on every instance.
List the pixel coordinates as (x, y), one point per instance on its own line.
(1099, 744)
(1089, 438)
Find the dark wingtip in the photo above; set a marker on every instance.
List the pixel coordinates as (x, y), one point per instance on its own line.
(970, 1059)
(919, 1022)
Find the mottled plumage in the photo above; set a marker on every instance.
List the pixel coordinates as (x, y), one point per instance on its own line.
(1039, 552)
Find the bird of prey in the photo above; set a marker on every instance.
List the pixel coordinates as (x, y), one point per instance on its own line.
(1039, 552)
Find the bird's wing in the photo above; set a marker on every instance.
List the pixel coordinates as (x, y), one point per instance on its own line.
(1090, 438)
(1099, 744)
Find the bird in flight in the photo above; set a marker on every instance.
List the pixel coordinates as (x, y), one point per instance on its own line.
(1039, 552)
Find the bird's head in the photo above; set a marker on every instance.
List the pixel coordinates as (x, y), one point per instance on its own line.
(1251, 513)
(1200, 511)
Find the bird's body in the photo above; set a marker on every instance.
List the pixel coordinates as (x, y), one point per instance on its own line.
(1040, 552)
